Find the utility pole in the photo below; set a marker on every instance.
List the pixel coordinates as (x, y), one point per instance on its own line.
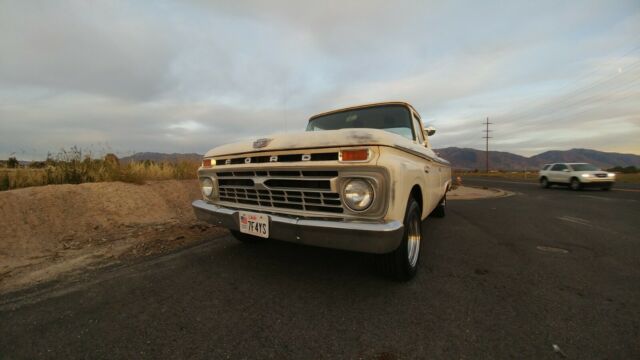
(487, 137)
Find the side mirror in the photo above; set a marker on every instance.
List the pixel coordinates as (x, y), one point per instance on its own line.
(430, 130)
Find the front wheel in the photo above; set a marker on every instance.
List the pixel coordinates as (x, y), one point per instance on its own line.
(402, 263)
(544, 183)
(575, 184)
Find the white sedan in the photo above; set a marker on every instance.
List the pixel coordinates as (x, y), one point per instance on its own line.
(576, 176)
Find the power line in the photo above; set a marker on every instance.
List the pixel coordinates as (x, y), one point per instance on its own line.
(487, 137)
(565, 100)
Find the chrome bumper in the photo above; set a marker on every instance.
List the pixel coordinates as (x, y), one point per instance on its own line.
(369, 237)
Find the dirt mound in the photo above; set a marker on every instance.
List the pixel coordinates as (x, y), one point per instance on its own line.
(53, 229)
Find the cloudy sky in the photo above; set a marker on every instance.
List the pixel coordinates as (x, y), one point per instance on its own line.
(184, 76)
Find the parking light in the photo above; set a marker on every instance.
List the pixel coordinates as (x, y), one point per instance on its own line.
(354, 155)
(208, 163)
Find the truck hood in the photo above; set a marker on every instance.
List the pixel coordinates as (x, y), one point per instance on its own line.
(313, 139)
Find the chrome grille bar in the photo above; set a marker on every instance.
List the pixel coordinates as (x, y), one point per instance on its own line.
(306, 190)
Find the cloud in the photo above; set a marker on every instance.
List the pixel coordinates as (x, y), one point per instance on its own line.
(186, 76)
(106, 48)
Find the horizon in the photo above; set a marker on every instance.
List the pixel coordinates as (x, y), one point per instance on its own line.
(184, 77)
(125, 155)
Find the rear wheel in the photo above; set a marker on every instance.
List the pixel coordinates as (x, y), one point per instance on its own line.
(575, 184)
(245, 238)
(440, 210)
(544, 183)
(402, 263)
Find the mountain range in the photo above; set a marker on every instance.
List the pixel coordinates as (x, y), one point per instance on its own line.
(469, 159)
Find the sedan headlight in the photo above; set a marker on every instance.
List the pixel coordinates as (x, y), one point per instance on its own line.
(611, 174)
(586, 175)
(207, 187)
(358, 194)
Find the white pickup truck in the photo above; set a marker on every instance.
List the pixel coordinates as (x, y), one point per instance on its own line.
(361, 178)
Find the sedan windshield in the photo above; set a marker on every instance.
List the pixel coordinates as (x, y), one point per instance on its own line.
(583, 167)
(392, 118)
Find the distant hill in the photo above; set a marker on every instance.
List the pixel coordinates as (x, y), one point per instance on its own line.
(598, 158)
(161, 157)
(465, 158)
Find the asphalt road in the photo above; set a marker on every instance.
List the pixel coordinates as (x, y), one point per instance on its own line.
(500, 278)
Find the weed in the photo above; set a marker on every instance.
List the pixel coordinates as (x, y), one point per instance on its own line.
(73, 166)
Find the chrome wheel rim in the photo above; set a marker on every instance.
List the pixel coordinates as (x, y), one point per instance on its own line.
(574, 184)
(413, 240)
(543, 183)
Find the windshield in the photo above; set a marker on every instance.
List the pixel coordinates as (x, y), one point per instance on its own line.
(583, 167)
(392, 118)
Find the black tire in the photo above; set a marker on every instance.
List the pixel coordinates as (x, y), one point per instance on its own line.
(245, 238)
(440, 210)
(575, 184)
(544, 183)
(397, 264)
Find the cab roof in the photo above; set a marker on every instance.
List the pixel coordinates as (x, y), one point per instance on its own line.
(401, 103)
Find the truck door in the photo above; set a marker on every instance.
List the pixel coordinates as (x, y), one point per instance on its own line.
(432, 170)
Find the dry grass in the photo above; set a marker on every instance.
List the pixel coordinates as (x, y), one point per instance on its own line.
(628, 178)
(72, 167)
(515, 175)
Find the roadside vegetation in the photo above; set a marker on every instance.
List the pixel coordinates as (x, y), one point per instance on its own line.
(518, 175)
(73, 166)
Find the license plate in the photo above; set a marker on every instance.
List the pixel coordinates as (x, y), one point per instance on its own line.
(254, 224)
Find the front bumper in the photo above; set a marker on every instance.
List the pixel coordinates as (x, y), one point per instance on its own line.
(369, 237)
(597, 180)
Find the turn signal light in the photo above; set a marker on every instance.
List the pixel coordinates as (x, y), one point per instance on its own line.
(207, 163)
(354, 155)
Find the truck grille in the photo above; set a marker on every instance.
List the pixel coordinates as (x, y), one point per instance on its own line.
(601, 175)
(306, 190)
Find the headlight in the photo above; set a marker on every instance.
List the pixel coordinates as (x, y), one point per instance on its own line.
(586, 175)
(358, 194)
(207, 187)
(611, 174)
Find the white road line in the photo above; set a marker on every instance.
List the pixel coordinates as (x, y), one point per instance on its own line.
(629, 190)
(575, 220)
(597, 197)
